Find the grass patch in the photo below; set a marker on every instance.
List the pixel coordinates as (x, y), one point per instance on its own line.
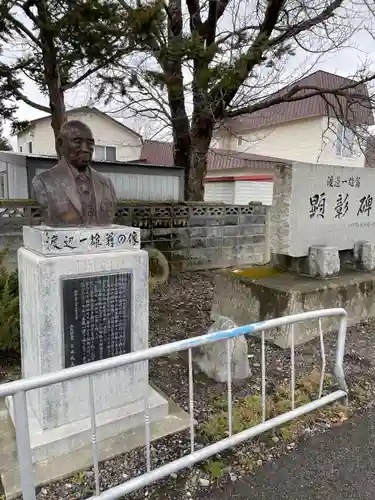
(247, 411)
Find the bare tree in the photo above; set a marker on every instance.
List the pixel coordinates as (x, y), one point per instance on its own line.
(201, 63)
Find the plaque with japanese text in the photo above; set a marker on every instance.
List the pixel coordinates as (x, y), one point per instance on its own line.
(97, 317)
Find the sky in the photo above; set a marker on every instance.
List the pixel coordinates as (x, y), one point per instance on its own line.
(345, 62)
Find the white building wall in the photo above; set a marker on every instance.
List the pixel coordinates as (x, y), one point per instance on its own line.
(17, 182)
(250, 191)
(328, 154)
(106, 133)
(310, 140)
(219, 192)
(241, 191)
(145, 187)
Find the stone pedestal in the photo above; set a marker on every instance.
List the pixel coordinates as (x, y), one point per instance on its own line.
(84, 297)
(365, 253)
(324, 261)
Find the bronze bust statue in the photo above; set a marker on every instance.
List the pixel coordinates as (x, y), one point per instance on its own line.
(72, 193)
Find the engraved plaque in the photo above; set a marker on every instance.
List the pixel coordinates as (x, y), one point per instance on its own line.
(97, 317)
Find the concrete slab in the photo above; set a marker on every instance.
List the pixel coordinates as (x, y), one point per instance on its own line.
(72, 436)
(247, 300)
(65, 465)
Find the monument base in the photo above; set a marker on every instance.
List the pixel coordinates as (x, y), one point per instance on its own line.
(74, 435)
(246, 300)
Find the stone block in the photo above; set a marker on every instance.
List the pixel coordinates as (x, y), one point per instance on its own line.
(324, 261)
(231, 220)
(230, 241)
(245, 300)
(198, 232)
(247, 239)
(198, 242)
(232, 230)
(259, 209)
(42, 332)
(367, 256)
(259, 229)
(259, 238)
(212, 358)
(47, 240)
(214, 242)
(215, 231)
(252, 219)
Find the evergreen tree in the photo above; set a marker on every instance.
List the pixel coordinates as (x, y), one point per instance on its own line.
(65, 43)
(4, 143)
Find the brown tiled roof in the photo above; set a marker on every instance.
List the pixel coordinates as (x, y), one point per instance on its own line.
(359, 111)
(161, 153)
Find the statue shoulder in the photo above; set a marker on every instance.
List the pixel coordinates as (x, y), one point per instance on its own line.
(105, 180)
(46, 175)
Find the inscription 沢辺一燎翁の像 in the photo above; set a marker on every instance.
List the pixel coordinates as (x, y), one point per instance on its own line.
(336, 182)
(97, 309)
(86, 241)
(342, 206)
(318, 206)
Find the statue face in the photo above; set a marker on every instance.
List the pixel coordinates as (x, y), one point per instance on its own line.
(78, 146)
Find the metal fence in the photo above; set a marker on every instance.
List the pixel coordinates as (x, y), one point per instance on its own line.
(18, 390)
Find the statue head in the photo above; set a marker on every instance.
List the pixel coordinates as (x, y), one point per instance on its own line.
(76, 144)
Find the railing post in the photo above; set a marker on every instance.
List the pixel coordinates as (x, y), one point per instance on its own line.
(24, 446)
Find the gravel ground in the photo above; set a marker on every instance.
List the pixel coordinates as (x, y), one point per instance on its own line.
(181, 309)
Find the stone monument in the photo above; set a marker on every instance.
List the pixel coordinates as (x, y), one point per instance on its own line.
(322, 245)
(322, 212)
(83, 297)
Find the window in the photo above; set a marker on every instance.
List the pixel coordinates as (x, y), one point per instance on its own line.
(345, 141)
(3, 185)
(30, 147)
(239, 141)
(107, 153)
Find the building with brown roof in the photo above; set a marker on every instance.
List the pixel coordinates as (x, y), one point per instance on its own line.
(247, 149)
(305, 130)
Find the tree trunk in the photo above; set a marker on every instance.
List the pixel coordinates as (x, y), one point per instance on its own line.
(200, 144)
(182, 147)
(51, 72)
(58, 111)
(180, 124)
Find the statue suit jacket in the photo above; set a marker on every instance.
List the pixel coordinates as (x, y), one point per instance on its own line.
(56, 192)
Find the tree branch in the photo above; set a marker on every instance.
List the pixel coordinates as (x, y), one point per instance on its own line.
(245, 64)
(194, 14)
(26, 100)
(305, 25)
(215, 10)
(20, 27)
(290, 96)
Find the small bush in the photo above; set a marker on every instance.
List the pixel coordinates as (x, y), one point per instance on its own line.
(9, 309)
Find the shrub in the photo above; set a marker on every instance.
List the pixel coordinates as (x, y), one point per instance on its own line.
(9, 308)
